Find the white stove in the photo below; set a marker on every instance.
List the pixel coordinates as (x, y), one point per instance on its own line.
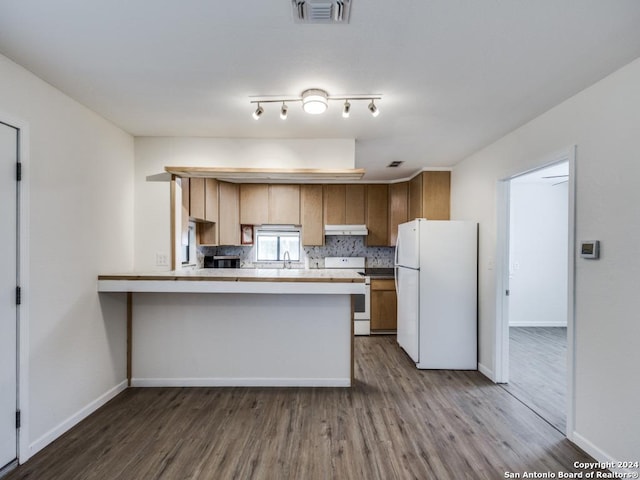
(362, 316)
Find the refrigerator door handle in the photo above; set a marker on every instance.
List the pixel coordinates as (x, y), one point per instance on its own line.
(395, 263)
(395, 279)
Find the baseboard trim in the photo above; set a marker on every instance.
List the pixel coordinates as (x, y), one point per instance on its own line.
(539, 324)
(74, 419)
(598, 454)
(486, 371)
(240, 382)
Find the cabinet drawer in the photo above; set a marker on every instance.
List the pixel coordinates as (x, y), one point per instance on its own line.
(386, 284)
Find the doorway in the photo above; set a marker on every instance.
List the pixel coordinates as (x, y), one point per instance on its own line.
(534, 341)
(9, 276)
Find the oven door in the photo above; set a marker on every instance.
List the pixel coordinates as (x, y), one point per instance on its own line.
(362, 303)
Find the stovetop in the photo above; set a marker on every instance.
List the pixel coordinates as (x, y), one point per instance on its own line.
(378, 272)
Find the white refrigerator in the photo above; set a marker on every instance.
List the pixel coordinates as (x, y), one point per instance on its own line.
(436, 281)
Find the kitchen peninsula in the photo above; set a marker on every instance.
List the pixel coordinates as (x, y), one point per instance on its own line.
(238, 327)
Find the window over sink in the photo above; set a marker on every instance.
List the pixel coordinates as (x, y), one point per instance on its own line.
(272, 243)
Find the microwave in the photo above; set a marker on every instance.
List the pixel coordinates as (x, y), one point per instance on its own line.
(221, 261)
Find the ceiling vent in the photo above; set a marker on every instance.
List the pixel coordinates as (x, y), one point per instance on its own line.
(395, 164)
(321, 11)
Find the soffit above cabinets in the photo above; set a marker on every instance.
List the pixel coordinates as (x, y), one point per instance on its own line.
(272, 175)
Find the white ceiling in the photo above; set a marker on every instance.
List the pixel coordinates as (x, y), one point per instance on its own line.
(455, 74)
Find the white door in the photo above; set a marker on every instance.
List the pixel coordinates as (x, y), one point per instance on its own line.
(407, 285)
(8, 309)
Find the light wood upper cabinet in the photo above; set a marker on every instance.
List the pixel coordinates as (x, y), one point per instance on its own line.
(344, 204)
(429, 195)
(203, 199)
(436, 192)
(211, 200)
(415, 197)
(354, 209)
(254, 204)
(262, 204)
(197, 198)
(377, 215)
(398, 208)
(311, 214)
(229, 216)
(284, 204)
(334, 204)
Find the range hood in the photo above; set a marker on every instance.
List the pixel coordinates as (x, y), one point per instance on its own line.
(346, 230)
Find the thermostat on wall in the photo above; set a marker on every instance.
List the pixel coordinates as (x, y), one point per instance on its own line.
(590, 249)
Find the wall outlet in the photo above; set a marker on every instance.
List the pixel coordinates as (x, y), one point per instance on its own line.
(162, 260)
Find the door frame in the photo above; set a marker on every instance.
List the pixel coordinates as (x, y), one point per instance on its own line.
(22, 394)
(501, 340)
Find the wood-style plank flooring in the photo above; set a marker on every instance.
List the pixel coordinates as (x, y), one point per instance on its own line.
(397, 422)
(538, 371)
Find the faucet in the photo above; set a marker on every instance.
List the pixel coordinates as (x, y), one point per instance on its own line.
(286, 262)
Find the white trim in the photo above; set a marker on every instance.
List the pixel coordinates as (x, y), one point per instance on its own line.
(571, 300)
(240, 382)
(501, 348)
(487, 372)
(539, 324)
(76, 418)
(591, 449)
(23, 326)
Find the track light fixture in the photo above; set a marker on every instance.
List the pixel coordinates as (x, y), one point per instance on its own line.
(345, 109)
(373, 109)
(258, 113)
(315, 101)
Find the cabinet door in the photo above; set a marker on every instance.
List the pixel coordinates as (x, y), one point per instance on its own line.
(284, 204)
(436, 192)
(254, 204)
(334, 204)
(311, 214)
(415, 197)
(398, 208)
(229, 215)
(377, 215)
(354, 208)
(211, 200)
(197, 198)
(383, 305)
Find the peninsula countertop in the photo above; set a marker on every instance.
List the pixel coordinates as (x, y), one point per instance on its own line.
(237, 280)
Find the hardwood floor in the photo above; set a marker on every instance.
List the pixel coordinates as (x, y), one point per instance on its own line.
(397, 422)
(538, 371)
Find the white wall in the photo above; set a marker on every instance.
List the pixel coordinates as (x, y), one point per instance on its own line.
(538, 254)
(603, 122)
(153, 154)
(79, 190)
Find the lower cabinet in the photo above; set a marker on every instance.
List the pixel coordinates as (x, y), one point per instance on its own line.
(383, 305)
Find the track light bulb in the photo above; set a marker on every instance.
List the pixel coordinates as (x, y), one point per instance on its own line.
(283, 111)
(345, 109)
(373, 109)
(258, 113)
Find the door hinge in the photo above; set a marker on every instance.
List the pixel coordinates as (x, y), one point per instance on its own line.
(18, 296)
(19, 171)
(18, 419)
(506, 292)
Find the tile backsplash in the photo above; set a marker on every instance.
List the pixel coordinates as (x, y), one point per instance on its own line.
(313, 257)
